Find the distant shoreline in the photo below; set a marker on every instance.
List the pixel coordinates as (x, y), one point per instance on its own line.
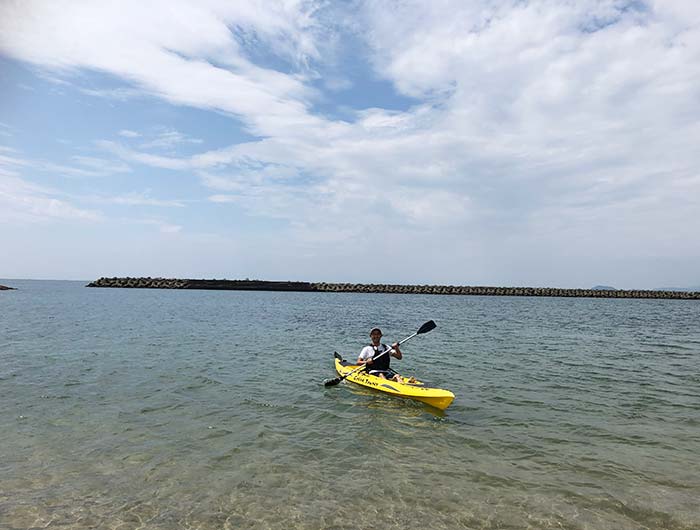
(465, 290)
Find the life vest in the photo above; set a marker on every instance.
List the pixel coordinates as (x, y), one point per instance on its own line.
(382, 363)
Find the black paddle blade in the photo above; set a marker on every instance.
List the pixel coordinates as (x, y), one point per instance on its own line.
(333, 382)
(430, 325)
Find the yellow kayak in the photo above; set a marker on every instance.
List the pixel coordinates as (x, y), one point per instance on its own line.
(409, 388)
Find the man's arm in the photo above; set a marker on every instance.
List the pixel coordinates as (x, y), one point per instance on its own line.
(363, 358)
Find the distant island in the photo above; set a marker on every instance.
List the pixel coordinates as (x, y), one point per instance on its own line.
(603, 288)
(5, 288)
(261, 285)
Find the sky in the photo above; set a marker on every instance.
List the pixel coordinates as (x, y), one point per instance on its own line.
(512, 143)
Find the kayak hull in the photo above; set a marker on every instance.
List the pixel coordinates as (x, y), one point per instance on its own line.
(415, 390)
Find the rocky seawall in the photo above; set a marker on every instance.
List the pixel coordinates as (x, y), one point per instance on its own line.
(217, 285)
(259, 285)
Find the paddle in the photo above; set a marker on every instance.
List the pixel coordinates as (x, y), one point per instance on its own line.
(425, 328)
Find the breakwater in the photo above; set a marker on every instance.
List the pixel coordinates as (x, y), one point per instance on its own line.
(260, 285)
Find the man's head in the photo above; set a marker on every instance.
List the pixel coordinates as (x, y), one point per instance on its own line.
(375, 335)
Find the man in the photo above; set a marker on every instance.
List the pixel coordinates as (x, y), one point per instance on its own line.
(376, 365)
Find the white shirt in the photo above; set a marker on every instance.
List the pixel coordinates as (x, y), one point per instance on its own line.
(368, 351)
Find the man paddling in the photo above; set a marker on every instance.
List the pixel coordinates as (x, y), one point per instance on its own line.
(376, 363)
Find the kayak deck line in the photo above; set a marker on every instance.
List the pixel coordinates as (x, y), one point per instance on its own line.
(409, 388)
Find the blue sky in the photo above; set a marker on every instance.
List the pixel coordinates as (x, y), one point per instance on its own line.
(540, 143)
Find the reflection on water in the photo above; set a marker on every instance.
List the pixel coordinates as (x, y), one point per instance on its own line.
(158, 409)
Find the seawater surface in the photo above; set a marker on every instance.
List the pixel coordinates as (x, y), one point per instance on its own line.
(126, 408)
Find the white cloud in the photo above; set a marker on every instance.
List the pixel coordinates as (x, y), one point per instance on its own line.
(432, 207)
(532, 99)
(224, 198)
(131, 155)
(10, 164)
(91, 166)
(137, 199)
(101, 166)
(117, 94)
(176, 57)
(162, 226)
(126, 133)
(24, 202)
(168, 140)
(337, 84)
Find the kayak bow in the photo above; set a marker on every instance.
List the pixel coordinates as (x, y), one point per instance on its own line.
(435, 397)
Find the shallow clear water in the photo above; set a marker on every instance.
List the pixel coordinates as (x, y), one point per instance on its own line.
(206, 409)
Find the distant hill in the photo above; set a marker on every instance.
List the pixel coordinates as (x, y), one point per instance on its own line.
(603, 288)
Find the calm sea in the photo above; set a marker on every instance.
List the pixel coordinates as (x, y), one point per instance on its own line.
(206, 409)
